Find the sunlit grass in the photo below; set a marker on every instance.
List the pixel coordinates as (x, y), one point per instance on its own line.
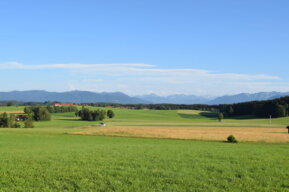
(50, 158)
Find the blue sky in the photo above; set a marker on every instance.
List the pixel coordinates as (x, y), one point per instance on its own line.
(165, 47)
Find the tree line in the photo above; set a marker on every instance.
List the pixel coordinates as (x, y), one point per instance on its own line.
(274, 108)
(61, 109)
(203, 107)
(23, 103)
(42, 113)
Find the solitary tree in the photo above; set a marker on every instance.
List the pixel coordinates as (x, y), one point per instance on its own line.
(102, 115)
(110, 114)
(41, 114)
(221, 117)
(231, 139)
(4, 120)
(230, 110)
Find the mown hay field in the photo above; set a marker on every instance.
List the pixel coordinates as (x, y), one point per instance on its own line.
(273, 135)
(190, 124)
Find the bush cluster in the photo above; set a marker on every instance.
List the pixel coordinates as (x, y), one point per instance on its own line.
(9, 121)
(28, 123)
(232, 139)
(38, 113)
(97, 115)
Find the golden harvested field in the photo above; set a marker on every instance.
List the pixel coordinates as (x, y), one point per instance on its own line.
(271, 135)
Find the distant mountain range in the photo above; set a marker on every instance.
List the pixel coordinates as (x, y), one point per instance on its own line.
(121, 98)
(71, 97)
(244, 97)
(230, 99)
(175, 99)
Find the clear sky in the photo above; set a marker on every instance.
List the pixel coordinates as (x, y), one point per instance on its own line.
(200, 47)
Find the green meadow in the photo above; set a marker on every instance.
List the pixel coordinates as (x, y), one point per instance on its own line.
(50, 158)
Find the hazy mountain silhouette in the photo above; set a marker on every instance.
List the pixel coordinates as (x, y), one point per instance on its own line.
(175, 99)
(228, 99)
(71, 96)
(121, 98)
(244, 97)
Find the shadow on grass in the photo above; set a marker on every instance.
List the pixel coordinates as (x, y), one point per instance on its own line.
(209, 115)
(187, 116)
(214, 115)
(245, 117)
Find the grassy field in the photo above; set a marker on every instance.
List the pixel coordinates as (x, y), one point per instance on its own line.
(70, 155)
(189, 124)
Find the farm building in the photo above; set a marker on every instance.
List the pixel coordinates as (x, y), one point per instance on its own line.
(22, 117)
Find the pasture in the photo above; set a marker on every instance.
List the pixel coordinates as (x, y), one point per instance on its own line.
(70, 155)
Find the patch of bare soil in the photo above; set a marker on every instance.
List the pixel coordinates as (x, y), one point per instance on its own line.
(14, 112)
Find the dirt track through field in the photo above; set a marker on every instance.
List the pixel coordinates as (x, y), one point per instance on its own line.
(272, 135)
(14, 112)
